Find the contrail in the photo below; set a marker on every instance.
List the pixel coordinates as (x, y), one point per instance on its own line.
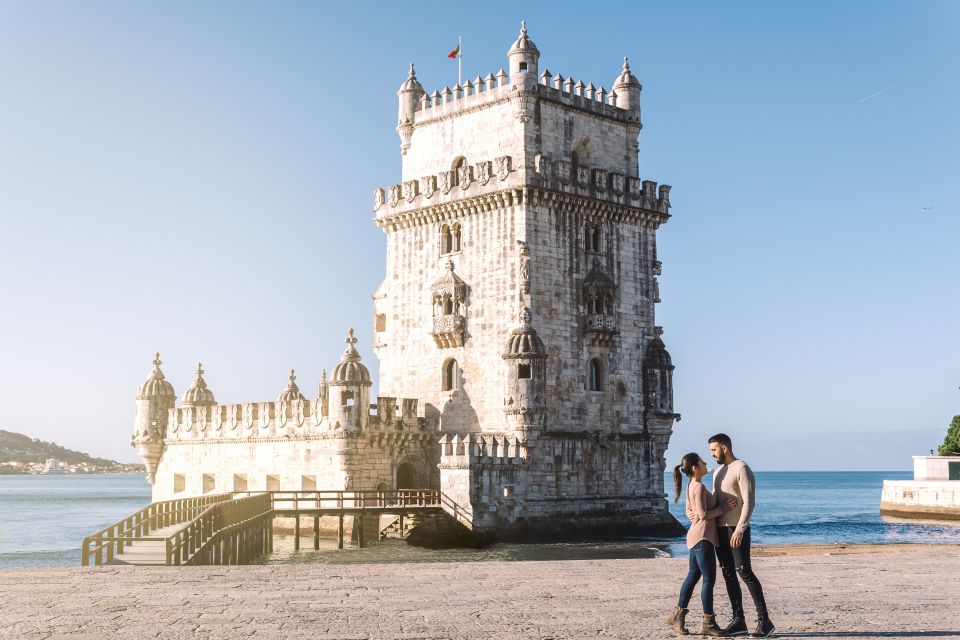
(879, 93)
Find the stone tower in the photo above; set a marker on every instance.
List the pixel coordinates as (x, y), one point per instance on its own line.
(519, 298)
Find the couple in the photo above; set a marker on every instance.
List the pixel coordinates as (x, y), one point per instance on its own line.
(719, 529)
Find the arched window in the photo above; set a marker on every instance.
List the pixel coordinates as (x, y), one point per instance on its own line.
(455, 238)
(597, 237)
(447, 305)
(588, 237)
(595, 375)
(523, 371)
(446, 240)
(574, 162)
(451, 375)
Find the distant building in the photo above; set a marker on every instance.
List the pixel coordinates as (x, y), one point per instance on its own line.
(521, 369)
(934, 491)
(52, 467)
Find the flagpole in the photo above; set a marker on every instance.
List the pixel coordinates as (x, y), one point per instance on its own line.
(459, 59)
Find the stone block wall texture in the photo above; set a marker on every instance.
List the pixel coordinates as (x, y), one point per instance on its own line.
(519, 212)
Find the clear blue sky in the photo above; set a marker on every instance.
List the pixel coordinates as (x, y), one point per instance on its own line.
(195, 178)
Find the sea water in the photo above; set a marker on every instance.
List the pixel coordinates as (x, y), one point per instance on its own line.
(43, 520)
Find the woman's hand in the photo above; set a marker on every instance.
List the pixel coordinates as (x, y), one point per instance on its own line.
(730, 504)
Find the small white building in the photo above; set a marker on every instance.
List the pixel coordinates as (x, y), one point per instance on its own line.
(52, 467)
(934, 491)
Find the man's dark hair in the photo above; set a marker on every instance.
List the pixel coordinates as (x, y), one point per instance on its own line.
(722, 438)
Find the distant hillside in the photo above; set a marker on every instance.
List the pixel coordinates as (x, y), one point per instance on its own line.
(16, 447)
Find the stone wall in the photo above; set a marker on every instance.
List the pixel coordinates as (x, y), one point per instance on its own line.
(921, 499)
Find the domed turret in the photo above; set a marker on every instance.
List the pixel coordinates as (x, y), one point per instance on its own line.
(658, 377)
(657, 355)
(350, 370)
(155, 398)
(408, 97)
(524, 57)
(198, 395)
(524, 403)
(524, 341)
(292, 392)
(156, 385)
(628, 90)
(349, 390)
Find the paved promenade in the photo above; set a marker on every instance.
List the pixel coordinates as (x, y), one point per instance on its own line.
(898, 593)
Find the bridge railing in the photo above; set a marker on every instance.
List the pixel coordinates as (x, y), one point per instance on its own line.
(232, 528)
(232, 532)
(102, 546)
(327, 500)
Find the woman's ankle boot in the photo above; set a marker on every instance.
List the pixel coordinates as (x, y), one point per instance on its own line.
(677, 619)
(710, 627)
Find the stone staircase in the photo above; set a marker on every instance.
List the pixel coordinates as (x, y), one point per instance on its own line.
(437, 529)
(401, 527)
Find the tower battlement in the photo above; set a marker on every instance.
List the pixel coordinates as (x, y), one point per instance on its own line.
(286, 419)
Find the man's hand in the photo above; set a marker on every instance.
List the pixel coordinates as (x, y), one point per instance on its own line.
(736, 539)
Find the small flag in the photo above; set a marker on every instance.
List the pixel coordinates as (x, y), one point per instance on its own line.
(454, 53)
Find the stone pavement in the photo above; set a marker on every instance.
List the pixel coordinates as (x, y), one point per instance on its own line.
(900, 593)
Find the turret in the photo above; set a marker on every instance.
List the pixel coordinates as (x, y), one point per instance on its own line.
(155, 398)
(525, 402)
(198, 395)
(523, 57)
(628, 88)
(292, 392)
(349, 402)
(658, 377)
(409, 96)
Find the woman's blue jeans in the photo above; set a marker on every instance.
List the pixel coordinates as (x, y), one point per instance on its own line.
(703, 563)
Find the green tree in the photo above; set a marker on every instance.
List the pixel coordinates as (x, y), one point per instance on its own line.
(951, 443)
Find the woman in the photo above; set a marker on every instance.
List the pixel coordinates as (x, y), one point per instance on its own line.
(702, 542)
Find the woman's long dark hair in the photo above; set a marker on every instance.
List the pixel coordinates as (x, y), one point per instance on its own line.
(687, 464)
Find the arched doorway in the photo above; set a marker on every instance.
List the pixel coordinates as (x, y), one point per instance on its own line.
(406, 476)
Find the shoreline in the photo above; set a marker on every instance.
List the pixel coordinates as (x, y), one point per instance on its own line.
(790, 550)
(841, 548)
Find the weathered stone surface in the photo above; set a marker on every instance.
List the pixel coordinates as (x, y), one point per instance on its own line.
(908, 592)
(519, 214)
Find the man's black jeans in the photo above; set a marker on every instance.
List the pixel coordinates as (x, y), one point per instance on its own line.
(737, 561)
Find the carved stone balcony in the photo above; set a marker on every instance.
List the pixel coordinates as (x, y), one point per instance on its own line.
(600, 328)
(600, 323)
(448, 330)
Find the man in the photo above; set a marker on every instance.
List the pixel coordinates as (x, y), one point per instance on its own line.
(735, 479)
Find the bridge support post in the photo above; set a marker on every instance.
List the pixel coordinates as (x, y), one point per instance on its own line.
(296, 531)
(316, 533)
(360, 518)
(339, 532)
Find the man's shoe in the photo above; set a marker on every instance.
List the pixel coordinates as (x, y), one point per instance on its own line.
(710, 627)
(764, 628)
(677, 619)
(737, 626)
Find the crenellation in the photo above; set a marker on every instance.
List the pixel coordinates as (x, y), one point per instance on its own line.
(521, 372)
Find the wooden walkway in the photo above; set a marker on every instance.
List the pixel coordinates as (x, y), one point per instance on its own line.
(149, 552)
(237, 528)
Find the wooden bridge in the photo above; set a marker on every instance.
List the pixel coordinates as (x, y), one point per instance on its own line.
(237, 528)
